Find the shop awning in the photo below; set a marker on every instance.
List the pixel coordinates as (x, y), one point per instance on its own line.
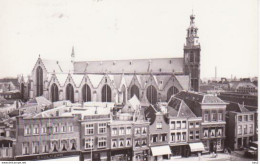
(161, 150)
(198, 146)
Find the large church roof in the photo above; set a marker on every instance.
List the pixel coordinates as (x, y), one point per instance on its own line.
(159, 65)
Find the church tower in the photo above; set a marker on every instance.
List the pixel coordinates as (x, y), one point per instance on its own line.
(192, 55)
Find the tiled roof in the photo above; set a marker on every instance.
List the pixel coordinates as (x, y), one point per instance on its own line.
(236, 107)
(150, 114)
(178, 108)
(208, 99)
(159, 65)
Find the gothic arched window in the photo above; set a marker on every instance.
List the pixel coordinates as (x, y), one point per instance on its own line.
(54, 93)
(86, 93)
(70, 93)
(124, 94)
(171, 91)
(39, 81)
(106, 93)
(151, 94)
(134, 91)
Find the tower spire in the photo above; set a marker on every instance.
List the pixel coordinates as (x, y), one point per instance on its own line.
(72, 54)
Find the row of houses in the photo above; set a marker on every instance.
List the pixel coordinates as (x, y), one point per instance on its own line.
(190, 123)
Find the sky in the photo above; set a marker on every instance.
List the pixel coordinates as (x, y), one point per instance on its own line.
(128, 29)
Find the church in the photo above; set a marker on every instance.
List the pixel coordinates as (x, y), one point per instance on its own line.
(151, 80)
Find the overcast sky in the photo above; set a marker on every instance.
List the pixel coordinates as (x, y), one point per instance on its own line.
(127, 29)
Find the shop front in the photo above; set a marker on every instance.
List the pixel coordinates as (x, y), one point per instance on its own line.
(102, 155)
(196, 148)
(121, 154)
(141, 155)
(160, 153)
(180, 150)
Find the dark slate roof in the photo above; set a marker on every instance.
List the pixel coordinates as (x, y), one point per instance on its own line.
(236, 107)
(157, 65)
(150, 114)
(178, 108)
(13, 80)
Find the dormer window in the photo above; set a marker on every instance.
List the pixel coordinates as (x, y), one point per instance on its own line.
(170, 62)
(130, 63)
(105, 80)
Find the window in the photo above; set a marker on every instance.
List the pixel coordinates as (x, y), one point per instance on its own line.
(206, 133)
(183, 125)
(128, 142)
(178, 126)
(135, 91)
(44, 129)
(172, 137)
(154, 138)
(71, 128)
(89, 129)
(220, 116)
(106, 94)
(39, 81)
(251, 128)
(191, 125)
(102, 128)
(102, 142)
(183, 136)
(214, 116)
(70, 93)
(56, 128)
(63, 128)
(251, 117)
(54, 93)
(35, 130)
(114, 143)
(121, 131)
(178, 136)
(245, 129)
(144, 130)
(245, 118)
(172, 125)
(206, 116)
(219, 133)
(114, 131)
(27, 130)
(137, 130)
(197, 135)
(191, 135)
(151, 94)
(239, 131)
(159, 125)
(86, 93)
(89, 143)
(197, 125)
(128, 130)
(212, 133)
(144, 142)
(239, 118)
(45, 148)
(35, 149)
(121, 142)
(25, 148)
(137, 143)
(164, 138)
